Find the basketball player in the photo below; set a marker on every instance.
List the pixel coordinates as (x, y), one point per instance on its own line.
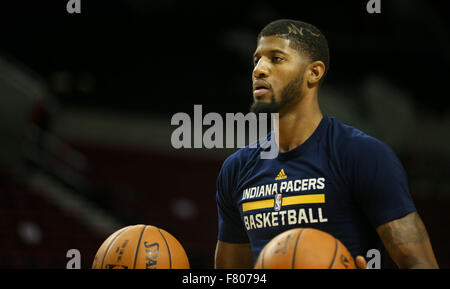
(330, 176)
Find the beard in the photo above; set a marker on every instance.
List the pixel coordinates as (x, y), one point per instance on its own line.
(288, 95)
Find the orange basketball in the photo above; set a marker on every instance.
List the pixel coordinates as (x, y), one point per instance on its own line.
(141, 247)
(305, 249)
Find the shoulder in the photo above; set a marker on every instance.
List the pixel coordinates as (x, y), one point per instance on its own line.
(370, 167)
(234, 169)
(352, 143)
(361, 157)
(240, 160)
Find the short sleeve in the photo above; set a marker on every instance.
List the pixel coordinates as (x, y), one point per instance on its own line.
(378, 180)
(231, 228)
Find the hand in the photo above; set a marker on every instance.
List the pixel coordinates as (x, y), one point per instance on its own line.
(361, 262)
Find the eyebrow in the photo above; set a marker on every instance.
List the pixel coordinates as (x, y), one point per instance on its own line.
(273, 51)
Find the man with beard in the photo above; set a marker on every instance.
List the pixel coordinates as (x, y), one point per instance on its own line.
(327, 175)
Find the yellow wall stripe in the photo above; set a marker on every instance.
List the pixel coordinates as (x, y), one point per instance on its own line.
(286, 201)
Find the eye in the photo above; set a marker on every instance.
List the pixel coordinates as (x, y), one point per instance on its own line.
(255, 61)
(277, 59)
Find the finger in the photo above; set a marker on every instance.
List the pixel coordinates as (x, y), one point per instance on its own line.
(361, 262)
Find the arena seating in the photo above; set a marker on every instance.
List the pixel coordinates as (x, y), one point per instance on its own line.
(175, 192)
(36, 234)
(166, 190)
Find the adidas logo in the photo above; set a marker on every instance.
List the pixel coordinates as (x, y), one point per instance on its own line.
(281, 175)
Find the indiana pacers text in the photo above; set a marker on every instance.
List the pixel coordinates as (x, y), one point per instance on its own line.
(284, 204)
(284, 187)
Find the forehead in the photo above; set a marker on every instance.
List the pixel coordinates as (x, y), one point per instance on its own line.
(270, 44)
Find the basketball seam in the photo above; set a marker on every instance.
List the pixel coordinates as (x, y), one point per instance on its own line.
(168, 249)
(137, 248)
(109, 246)
(295, 248)
(335, 253)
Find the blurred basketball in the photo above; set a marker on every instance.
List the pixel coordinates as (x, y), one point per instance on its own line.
(141, 247)
(305, 249)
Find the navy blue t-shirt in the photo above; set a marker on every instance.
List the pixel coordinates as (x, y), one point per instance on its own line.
(339, 180)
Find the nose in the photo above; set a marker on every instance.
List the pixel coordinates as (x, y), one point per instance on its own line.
(261, 69)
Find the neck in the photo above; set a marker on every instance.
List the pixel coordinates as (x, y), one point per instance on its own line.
(297, 124)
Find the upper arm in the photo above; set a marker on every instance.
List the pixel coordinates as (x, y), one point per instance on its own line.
(230, 225)
(233, 249)
(377, 179)
(381, 189)
(406, 239)
(233, 256)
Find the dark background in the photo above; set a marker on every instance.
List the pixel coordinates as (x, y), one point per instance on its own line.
(150, 59)
(141, 50)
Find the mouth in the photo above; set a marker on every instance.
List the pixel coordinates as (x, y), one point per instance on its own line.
(260, 87)
(260, 92)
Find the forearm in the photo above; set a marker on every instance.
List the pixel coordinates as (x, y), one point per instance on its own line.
(422, 266)
(408, 244)
(418, 263)
(233, 256)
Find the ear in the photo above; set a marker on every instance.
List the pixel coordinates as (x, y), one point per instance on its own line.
(315, 72)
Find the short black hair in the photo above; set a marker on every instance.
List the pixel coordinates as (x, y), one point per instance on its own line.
(304, 37)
